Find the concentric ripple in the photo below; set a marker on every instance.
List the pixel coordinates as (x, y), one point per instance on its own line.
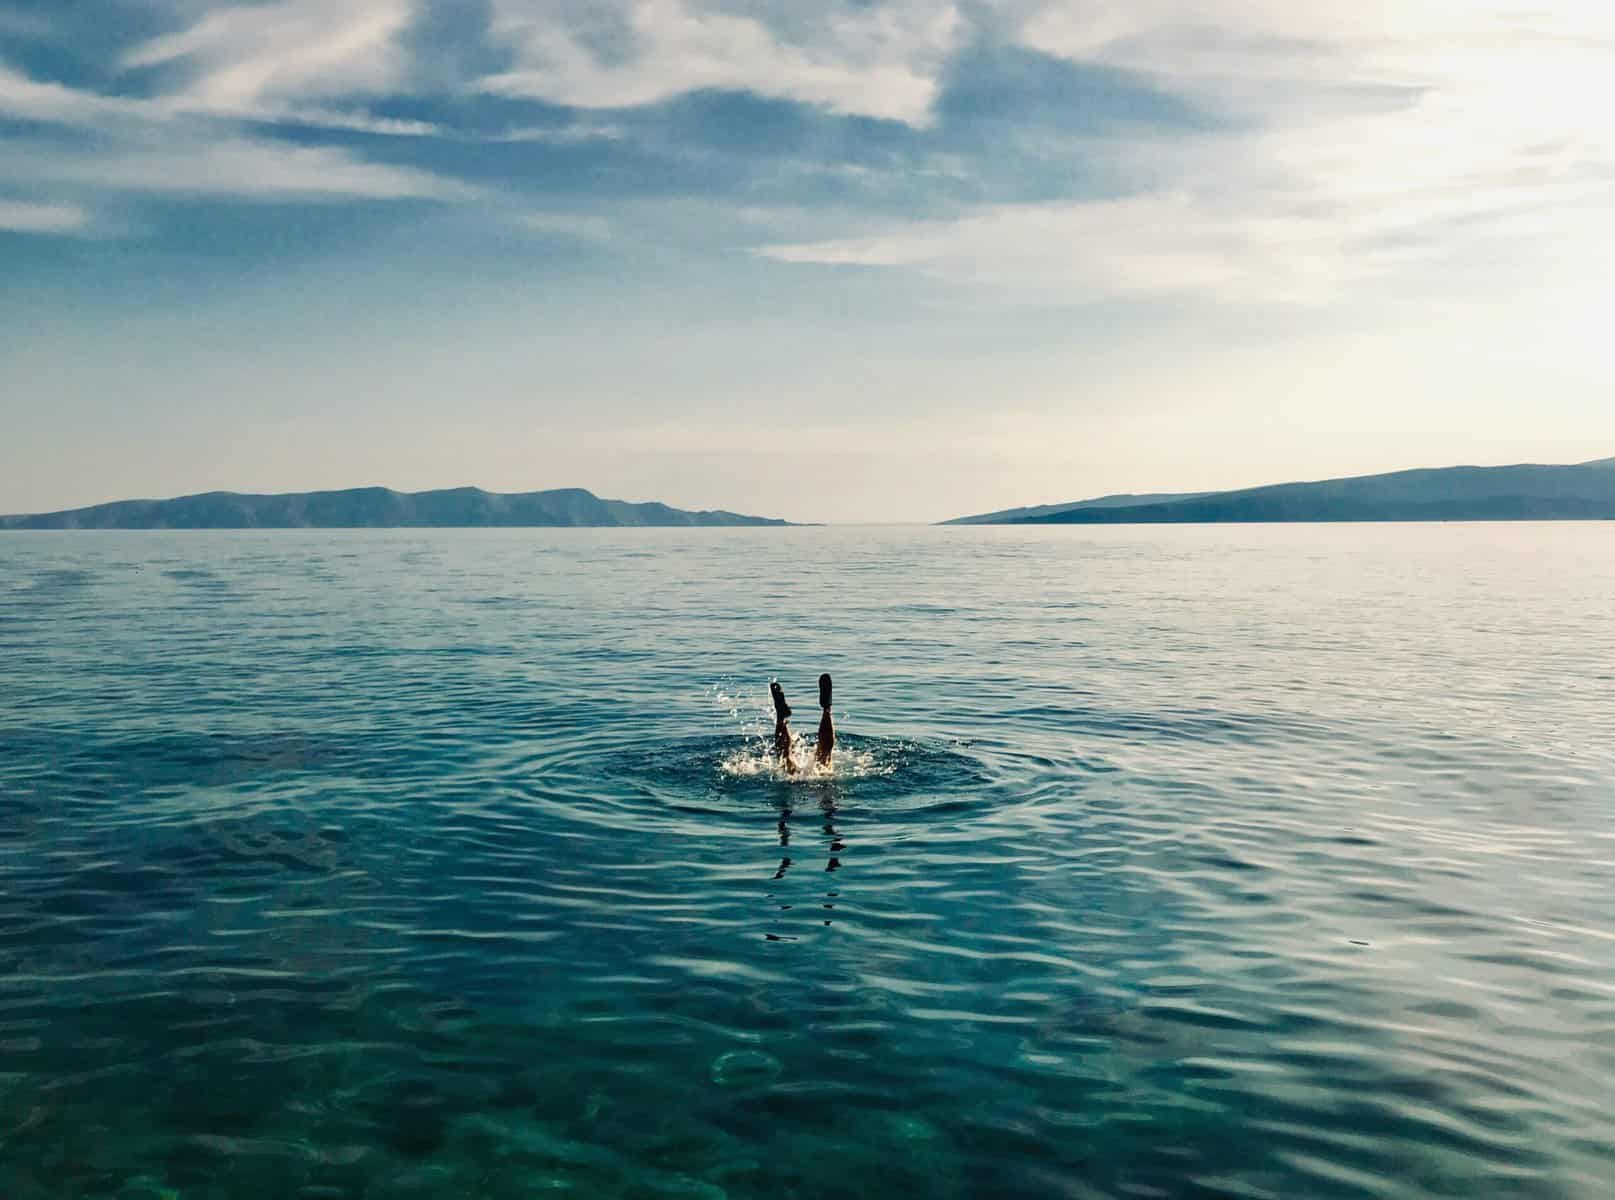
(1258, 863)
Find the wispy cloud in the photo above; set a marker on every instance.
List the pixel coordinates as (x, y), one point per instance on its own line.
(571, 134)
(25, 99)
(238, 57)
(567, 225)
(1158, 244)
(159, 146)
(242, 167)
(18, 216)
(1366, 140)
(868, 60)
(44, 102)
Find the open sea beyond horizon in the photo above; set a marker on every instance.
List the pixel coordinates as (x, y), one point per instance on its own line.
(1156, 862)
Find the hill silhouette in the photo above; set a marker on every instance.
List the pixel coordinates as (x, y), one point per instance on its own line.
(1526, 492)
(1121, 500)
(376, 508)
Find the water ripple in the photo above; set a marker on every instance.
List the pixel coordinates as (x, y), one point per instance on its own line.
(1182, 863)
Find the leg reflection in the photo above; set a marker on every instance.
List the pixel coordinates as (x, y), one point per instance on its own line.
(835, 846)
(834, 863)
(784, 841)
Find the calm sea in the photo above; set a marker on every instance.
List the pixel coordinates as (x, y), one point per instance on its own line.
(1170, 862)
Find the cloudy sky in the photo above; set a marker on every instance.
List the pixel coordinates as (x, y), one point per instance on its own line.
(841, 260)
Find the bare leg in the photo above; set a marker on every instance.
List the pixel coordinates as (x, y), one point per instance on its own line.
(782, 728)
(827, 727)
(827, 740)
(782, 745)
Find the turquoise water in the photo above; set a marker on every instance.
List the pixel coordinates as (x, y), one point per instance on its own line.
(1170, 862)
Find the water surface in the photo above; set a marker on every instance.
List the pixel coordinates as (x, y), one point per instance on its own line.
(1158, 862)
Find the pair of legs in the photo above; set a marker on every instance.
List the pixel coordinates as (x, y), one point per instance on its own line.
(782, 727)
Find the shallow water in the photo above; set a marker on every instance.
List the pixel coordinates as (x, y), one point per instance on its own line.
(1177, 862)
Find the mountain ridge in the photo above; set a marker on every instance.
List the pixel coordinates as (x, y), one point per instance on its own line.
(1522, 491)
(1006, 516)
(380, 508)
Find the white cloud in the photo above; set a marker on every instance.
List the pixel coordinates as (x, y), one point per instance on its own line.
(1466, 71)
(561, 135)
(1156, 244)
(1366, 141)
(161, 145)
(52, 103)
(245, 55)
(243, 167)
(20, 217)
(875, 60)
(325, 118)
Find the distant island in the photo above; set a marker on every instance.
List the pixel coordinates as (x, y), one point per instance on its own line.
(377, 508)
(1583, 491)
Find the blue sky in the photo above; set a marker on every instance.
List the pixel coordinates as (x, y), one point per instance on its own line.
(841, 261)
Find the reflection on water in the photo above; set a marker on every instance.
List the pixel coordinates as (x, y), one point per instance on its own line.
(834, 845)
(1179, 862)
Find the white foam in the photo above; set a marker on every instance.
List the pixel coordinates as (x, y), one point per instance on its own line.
(752, 717)
(759, 762)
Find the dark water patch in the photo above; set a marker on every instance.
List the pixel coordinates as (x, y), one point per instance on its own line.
(105, 765)
(198, 576)
(60, 580)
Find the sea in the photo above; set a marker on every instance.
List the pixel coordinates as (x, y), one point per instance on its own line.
(1258, 862)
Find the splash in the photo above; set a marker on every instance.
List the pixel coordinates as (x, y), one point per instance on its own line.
(758, 761)
(750, 714)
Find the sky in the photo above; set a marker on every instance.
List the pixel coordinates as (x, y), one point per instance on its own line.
(853, 260)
